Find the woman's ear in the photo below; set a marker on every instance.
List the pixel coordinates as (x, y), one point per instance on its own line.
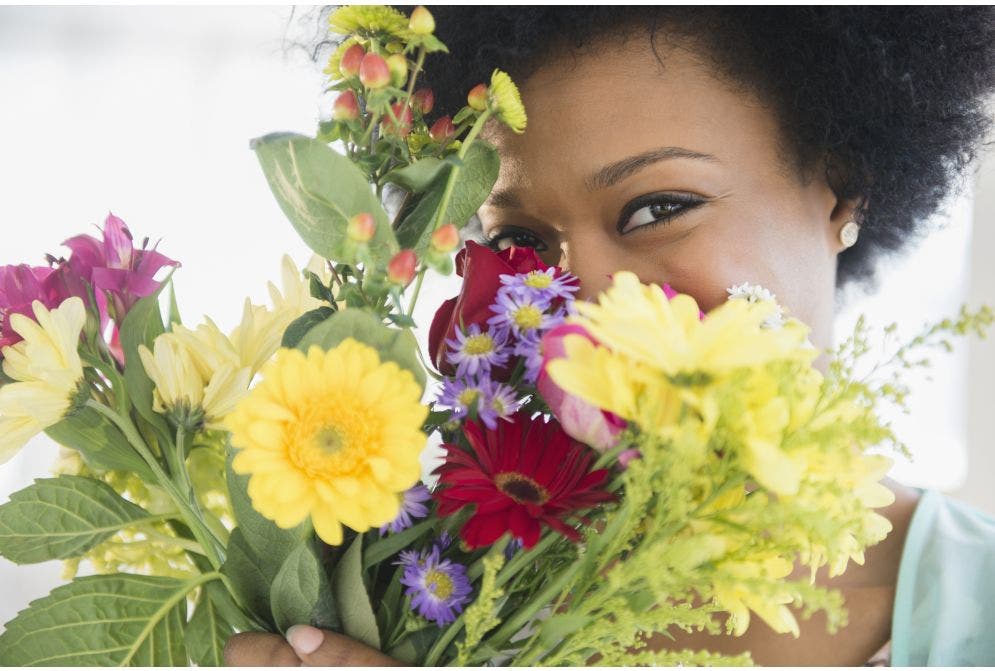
(845, 221)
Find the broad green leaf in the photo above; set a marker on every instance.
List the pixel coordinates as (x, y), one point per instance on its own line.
(59, 518)
(320, 190)
(473, 184)
(100, 442)
(270, 542)
(413, 648)
(416, 176)
(397, 345)
(300, 326)
(351, 598)
(174, 308)
(102, 620)
(386, 547)
(248, 574)
(558, 627)
(295, 592)
(206, 634)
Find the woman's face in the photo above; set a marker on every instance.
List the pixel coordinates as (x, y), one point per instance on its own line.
(665, 172)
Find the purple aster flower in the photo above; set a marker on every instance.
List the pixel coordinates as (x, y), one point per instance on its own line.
(529, 347)
(439, 588)
(498, 402)
(462, 394)
(412, 507)
(519, 313)
(444, 540)
(477, 352)
(408, 558)
(511, 548)
(542, 284)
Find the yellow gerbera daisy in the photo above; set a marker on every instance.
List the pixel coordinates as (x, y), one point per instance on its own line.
(507, 102)
(335, 435)
(46, 370)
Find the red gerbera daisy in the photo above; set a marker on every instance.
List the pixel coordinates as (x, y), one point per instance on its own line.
(521, 476)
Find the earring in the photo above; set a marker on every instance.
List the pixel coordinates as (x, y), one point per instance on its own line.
(849, 233)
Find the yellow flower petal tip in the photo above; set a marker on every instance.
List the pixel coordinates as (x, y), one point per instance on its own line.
(506, 101)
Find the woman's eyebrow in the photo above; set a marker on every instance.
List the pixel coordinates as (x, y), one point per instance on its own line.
(613, 173)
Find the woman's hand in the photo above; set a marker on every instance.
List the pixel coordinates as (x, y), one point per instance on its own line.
(304, 646)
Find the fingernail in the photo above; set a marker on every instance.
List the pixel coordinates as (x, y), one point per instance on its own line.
(304, 639)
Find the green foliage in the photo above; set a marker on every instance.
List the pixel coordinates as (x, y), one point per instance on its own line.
(472, 186)
(397, 345)
(100, 442)
(418, 176)
(481, 616)
(294, 592)
(320, 190)
(387, 547)
(206, 634)
(352, 599)
(106, 620)
(300, 326)
(59, 518)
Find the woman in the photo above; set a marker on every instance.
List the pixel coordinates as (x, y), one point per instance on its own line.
(705, 147)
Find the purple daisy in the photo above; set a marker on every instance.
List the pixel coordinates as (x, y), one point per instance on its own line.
(519, 313)
(462, 394)
(439, 588)
(498, 402)
(412, 507)
(529, 348)
(542, 284)
(477, 352)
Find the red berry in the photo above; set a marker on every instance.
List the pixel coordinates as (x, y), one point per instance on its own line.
(423, 100)
(346, 107)
(477, 97)
(442, 129)
(401, 269)
(374, 72)
(445, 238)
(404, 120)
(361, 227)
(351, 59)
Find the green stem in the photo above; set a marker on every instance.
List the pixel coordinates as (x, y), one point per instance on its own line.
(454, 172)
(419, 62)
(203, 535)
(414, 296)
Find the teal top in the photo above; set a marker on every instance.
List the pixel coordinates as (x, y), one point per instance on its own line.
(945, 598)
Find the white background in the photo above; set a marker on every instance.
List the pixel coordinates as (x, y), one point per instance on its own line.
(147, 112)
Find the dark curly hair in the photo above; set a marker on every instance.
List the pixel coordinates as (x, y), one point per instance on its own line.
(890, 102)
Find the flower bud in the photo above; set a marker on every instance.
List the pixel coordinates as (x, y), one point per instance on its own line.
(445, 238)
(422, 22)
(404, 120)
(398, 66)
(477, 97)
(351, 60)
(394, 47)
(361, 227)
(374, 72)
(442, 129)
(423, 100)
(625, 456)
(346, 107)
(401, 269)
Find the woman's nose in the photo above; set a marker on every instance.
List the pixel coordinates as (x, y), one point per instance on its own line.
(593, 261)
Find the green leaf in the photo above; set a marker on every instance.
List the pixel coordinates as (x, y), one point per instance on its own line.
(248, 575)
(206, 634)
(300, 326)
(417, 176)
(320, 190)
(102, 620)
(141, 326)
(100, 442)
(473, 184)
(401, 320)
(174, 308)
(295, 592)
(351, 598)
(558, 627)
(59, 518)
(397, 345)
(386, 547)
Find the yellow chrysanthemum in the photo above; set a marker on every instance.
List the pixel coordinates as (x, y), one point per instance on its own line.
(507, 102)
(369, 21)
(46, 370)
(738, 599)
(335, 435)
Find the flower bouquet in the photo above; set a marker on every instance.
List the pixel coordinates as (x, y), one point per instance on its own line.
(613, 469)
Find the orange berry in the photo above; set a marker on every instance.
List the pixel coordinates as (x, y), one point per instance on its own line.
(374, 72)
(477, 97)
(346, 107)
(401, 269)
(351, 60)
(361, 227)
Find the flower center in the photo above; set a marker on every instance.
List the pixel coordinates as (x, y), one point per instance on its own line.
(528, 317)
(439, 584)
(538, 280)
(478, 344)
(330, 439)
(467, 397)
(521, 488)
(333, 437)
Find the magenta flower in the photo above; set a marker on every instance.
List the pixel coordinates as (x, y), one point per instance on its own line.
(19, 287)
(118, 273)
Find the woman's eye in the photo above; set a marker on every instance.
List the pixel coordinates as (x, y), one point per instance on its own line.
(655, 209)
(515, 237)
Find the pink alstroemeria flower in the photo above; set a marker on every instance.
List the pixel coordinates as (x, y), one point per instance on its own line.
(119, 273)
(21, 285)
(579, 419)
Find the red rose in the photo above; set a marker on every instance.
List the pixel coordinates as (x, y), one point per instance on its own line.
(481, 269)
